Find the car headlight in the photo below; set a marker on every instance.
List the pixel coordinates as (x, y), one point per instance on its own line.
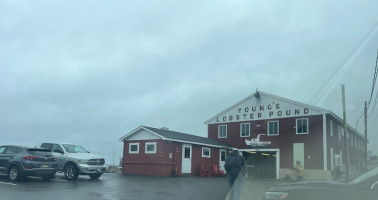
(84, 161)
(276, 195)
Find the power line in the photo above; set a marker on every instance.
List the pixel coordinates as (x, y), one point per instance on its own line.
(372, 89)
(324, 91)
(376, 72)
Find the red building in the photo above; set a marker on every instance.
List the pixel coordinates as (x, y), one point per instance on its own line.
(271, 132)
(152, 151)
(274, 132)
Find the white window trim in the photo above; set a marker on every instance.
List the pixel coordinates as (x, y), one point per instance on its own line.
(145, 148)
(296, 126)
(133, 152)
(278, 128)
(241, 130)
(331, 128)
(205, 156)
(219, 130)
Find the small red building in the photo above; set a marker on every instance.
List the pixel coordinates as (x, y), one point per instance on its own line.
(152, 151)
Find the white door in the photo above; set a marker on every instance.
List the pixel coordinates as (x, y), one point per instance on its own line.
(186, 158)
(222, 159)
(298, 150)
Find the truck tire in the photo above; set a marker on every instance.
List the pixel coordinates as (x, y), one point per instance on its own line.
(95, 176)
(70, 172)
(13, 173)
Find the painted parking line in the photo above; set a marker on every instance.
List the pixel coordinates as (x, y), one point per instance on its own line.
(7, 183)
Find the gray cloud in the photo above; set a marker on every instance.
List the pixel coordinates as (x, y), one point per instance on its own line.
(89, 72)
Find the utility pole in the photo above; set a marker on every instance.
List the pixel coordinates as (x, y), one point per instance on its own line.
(345, 134)
(366, 140)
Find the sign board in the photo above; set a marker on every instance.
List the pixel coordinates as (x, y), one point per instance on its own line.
(256, 143)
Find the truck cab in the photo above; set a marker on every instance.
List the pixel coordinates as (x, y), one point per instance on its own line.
(73, 160)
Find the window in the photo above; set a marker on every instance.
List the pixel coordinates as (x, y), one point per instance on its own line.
(46, 146)
(339, 132)
(302, 126)
(331, 128)
(12, 150)
(205, 152)
(244, 130)
(150, 147)
(273, 128)
(222, 131)
(187, 152)
(351, 140)
(223, 155)
(56, 148)
(2, 149)
(133, 148)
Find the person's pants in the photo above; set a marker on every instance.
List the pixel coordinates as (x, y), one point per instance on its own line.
(231, 180)
(236, 184)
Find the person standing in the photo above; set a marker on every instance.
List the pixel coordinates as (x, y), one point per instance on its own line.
(236, 169)
(299, 170)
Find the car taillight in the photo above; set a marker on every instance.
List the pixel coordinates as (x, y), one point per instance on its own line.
(54, 158)
(30, 157)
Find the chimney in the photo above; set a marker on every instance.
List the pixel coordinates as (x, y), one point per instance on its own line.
(164, 128)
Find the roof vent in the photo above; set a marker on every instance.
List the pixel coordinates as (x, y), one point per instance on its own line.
(164, 128)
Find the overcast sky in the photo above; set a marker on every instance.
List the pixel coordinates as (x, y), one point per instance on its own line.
(89, 72)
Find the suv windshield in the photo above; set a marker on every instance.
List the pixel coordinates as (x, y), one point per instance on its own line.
(74, 148)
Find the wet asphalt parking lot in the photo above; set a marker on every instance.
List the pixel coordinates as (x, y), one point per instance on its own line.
(115, 186)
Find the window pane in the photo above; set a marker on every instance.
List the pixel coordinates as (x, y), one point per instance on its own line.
(150, 147)
(222, 131)
(134, 147)
(304, 125)
(299, 126)
(2, 149)
(223, 156)
(187, 152)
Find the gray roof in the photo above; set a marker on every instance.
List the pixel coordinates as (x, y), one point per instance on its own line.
(183, 137)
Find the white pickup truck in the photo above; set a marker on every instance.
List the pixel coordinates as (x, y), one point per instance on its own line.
(74, 160)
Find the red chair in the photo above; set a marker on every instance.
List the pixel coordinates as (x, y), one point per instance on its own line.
(204, 172)
(217, 171)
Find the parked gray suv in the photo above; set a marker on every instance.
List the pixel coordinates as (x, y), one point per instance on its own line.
(74, 160)
(18, 161)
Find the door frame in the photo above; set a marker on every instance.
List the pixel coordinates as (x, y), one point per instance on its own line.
(189, 171)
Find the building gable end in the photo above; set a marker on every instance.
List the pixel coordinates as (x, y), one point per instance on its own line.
(264, 106)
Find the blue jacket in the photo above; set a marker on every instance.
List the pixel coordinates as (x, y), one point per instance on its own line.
(234, 164)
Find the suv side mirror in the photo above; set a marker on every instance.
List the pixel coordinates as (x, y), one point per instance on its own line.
(58, 151)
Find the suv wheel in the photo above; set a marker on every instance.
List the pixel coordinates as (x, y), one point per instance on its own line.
(70, 172)
(95, 176)
(14, 173)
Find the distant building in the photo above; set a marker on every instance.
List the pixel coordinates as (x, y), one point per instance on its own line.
(271, 132)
